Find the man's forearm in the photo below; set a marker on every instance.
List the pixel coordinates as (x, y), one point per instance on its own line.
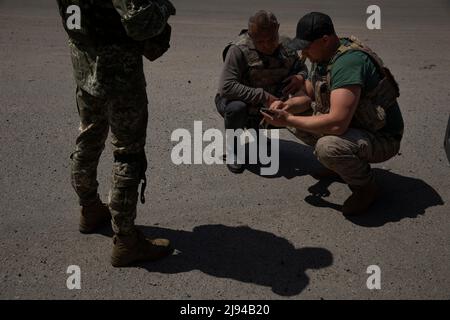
(298, 104)
(233, 90)
(319, 124)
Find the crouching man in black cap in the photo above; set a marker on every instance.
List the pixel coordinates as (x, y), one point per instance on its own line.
(356, 118)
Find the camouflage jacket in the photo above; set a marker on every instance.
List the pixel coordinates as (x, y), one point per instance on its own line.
(107, 49)
(114, 21)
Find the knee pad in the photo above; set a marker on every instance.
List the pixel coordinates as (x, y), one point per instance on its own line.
(129, 170)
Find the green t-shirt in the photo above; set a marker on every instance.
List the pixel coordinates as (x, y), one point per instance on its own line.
(356, 68)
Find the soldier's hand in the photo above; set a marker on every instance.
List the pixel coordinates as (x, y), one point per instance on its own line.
(270, 99)
(279, 118)
(155, 47)
(277, 105)
(293, 84)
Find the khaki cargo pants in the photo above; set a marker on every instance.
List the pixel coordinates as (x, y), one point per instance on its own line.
(350, 154)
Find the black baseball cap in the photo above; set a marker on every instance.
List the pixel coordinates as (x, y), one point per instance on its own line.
(310, 27)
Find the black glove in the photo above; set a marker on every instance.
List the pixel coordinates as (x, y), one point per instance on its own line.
(167, 5)
(155, 47)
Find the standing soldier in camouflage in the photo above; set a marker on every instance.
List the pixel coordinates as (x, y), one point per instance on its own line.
(357, 120)
(106, 50)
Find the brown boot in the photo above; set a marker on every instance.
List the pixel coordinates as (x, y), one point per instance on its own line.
(136, 247)
(361, 199)
(94, 216)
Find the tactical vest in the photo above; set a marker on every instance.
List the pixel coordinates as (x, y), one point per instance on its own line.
(266, 72)
(100, 22)
(370, 113)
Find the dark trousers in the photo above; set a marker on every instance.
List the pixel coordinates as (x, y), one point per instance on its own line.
(236, 114)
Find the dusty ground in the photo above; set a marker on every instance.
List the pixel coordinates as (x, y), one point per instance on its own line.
(240, 236)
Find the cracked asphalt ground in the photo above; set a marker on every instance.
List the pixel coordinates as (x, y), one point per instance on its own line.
(239, 236)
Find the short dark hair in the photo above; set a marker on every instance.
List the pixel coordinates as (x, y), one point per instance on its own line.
(263, 20)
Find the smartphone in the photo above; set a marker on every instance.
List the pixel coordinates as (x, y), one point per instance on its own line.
(268, 111)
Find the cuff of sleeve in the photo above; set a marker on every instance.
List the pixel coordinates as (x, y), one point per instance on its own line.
(304, 74)
(265, 98)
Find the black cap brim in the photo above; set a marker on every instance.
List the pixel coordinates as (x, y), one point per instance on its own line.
(298, 44)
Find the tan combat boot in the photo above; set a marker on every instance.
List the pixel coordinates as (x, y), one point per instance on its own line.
(361, 199)
(94, 216)
(136, 247)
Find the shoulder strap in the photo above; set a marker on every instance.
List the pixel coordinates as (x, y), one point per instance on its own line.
(242, 41)
(355, 45)
(225, 51)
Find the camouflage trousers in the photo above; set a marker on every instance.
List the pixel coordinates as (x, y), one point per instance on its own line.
(126, 114)
(350, 154)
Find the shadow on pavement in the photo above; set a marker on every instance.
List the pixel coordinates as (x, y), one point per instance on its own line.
(242, 254)
(402, 197)
(296, 159)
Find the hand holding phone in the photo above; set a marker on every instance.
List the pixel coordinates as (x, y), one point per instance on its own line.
(268, 111)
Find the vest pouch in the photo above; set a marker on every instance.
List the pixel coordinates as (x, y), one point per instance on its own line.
(268, 79)
(369, 116)
(371, 113)
(322, 97)
(150, 21)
